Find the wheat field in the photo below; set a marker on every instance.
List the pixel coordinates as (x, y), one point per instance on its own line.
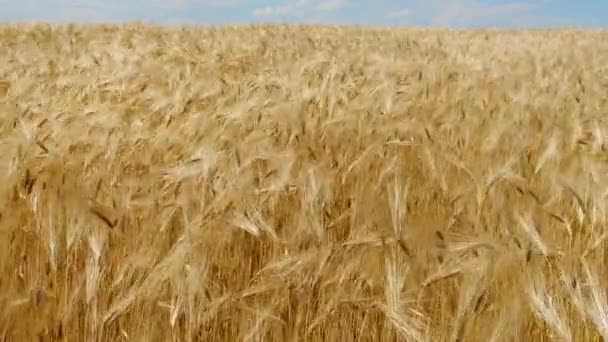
(302, 183)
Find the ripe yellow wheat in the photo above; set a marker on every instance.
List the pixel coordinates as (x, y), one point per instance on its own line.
(286, 183)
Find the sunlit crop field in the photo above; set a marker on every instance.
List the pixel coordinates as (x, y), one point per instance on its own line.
(302, 183)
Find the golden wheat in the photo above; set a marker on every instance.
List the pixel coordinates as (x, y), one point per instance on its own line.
(285, 183)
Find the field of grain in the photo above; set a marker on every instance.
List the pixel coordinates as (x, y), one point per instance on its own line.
(302, 183)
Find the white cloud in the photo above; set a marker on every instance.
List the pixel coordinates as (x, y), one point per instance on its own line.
(181, 3)
(508, 8)
(398, 14)
(263, 11)
(330, 5)
(447, 14)
(280, 10)
(302, 3)
(219, 3)
(106, 10)
(470, 11)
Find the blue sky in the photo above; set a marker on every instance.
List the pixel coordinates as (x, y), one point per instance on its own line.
(445, 13)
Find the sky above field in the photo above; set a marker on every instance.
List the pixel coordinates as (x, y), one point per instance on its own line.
(445, 13)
